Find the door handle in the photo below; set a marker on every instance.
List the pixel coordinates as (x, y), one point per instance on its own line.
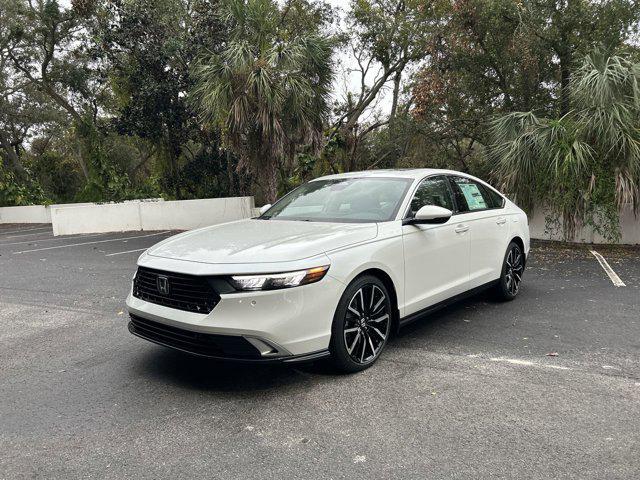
(461, 228)
(501, 221)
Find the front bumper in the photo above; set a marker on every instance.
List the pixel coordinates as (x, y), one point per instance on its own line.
(285, 325)
(218, 347)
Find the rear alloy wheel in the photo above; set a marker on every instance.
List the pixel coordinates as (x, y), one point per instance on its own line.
(512, 270)
(361, 325)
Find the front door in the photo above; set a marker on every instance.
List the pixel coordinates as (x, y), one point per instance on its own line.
(436, 256)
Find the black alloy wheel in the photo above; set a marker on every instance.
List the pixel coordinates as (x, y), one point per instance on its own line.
(512, 271)
(362, 324)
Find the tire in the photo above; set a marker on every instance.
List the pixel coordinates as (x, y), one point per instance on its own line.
(508, 285)
(361, 325)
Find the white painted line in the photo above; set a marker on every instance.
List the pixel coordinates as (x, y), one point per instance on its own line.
(91, 243)
(25, 230)
(128, 251)
(39, 240)
(607, 268)
(527, 363)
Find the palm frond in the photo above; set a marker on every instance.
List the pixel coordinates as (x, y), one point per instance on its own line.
(268, 89)
(576, 163)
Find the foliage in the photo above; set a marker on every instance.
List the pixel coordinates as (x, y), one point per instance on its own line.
(190, 98)
(267, 89)
(57, 174)
(386, 38)
(149, 46)
(586, 163)
(14, 192)
(497, 56)
(568, 30)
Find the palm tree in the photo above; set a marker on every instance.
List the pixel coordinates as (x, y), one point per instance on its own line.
(267, 89)
(585, 165)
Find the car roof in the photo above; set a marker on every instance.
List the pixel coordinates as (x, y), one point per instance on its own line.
(413, 173)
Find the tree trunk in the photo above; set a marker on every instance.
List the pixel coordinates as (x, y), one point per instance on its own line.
(82, 146)
(352, 145)
(351, 119)
(565, 80)
(173, 162)
(271, 179)
(396, 93)
(230, 177)
(174, 174)
(11, 154)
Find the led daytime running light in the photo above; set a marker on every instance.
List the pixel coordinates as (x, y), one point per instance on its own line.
(274, 281)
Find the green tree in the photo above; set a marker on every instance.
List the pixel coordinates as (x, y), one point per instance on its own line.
(386, 38)
(22, 107)
(267, 89)
(570, 29)
(149, 46)
(483, 63)
(497, 56)
(47, 50)
(584, 165)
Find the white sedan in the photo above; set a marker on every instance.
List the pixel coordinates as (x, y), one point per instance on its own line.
(330, 270)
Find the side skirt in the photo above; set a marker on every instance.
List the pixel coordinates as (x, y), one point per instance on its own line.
(445, 303)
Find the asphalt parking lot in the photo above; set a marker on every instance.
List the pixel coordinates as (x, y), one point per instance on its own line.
(547, 386)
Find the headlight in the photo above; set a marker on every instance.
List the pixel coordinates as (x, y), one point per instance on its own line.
(273, 281)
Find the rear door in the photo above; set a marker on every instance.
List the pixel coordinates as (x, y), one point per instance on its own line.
(436, 256)
(482, 210)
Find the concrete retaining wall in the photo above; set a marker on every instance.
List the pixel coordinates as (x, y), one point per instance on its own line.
(156, 214)
(33, 213)
(189, 214)
(109, 217)
(28, 214)
(629, 229)
(149, 215)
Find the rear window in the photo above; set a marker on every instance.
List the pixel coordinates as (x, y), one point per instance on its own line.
(495, 199)
(471, 195)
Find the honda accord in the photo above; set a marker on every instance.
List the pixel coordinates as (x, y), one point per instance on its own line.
(332, 269)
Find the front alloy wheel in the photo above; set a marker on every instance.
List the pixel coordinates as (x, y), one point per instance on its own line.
(362, 324)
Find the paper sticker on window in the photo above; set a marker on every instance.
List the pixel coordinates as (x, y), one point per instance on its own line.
(473, 196)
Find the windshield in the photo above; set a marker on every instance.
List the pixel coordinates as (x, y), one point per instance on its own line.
(342, 200)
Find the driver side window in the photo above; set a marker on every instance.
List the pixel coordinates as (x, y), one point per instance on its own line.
(432, 191)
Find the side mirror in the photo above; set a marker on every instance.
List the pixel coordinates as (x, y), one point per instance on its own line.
(264, 208)
(429, 214)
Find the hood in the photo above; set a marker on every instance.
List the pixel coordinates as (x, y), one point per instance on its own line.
(262, 241)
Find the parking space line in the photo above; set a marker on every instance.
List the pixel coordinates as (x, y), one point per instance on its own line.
(607, 268)
(527, 363)
(128, 251)
(38, 240)
(91, 243)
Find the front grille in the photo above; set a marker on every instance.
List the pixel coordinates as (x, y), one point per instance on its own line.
(183, 292)
(208, 345)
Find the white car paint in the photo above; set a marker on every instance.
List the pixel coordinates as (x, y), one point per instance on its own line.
(434, 248)
(427, 264)
(256, 241)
